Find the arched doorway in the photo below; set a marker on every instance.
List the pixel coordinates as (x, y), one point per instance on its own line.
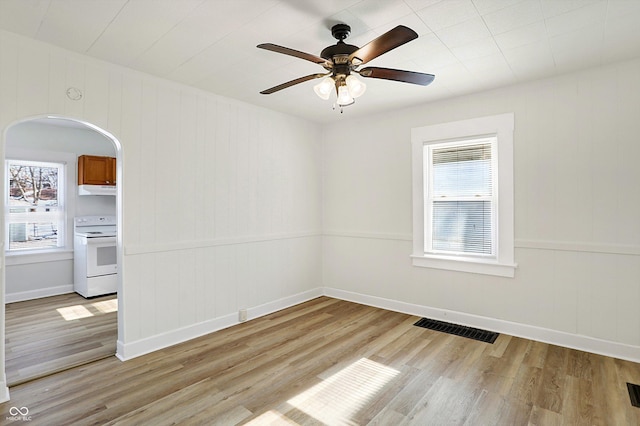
(61, 137)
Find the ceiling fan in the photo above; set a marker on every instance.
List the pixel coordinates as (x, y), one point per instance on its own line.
(341, 61)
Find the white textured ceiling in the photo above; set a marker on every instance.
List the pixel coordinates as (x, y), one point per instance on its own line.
(470, 45)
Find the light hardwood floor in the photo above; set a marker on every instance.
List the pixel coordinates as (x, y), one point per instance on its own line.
(51, 334)
(333, 362)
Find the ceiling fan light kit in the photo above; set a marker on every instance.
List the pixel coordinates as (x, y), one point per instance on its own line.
(344, 97)
(342, 61)
(356, 87)
(347, 89)
(324, 88)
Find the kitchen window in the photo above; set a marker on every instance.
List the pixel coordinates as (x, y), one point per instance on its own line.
(463, 196)
(35, 205)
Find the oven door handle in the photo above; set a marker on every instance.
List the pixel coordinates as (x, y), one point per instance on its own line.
(101, 241)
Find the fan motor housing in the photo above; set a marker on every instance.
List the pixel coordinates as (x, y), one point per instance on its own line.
(338, 49)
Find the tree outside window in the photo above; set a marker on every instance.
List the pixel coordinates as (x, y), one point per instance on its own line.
(35, 216)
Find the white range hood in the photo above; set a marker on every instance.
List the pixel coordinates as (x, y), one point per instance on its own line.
(97, 189)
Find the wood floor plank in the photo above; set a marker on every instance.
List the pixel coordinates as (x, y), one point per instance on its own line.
(329, 362)
(526, 384)
(578, 411)
(536, 354)
(381, 400)
(550, 395)
(444, 403)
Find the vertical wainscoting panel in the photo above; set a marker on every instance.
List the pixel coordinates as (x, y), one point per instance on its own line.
(206, 198)
(244, 173)
(146, 169)
(208, 284)
(566, 267)
(57, 84)
(95, 109)
(131, 129)
(224, 286)
(114, 112)
(167, 291)
(628, 299)
(9, 60)
(132, 275)
(147, 301)
(185, 197)
(232, 187)
(217, 175)
(32, 79)
(169, 176)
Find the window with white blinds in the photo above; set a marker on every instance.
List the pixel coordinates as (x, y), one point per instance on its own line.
(463, 195)
(460, 197)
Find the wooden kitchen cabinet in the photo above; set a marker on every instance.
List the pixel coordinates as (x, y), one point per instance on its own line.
(95, 170)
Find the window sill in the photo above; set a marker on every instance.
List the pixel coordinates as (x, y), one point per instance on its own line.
(475, 266)
(37, 256)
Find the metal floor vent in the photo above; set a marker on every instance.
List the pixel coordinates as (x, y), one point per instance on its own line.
(634, 394)
(458, 330)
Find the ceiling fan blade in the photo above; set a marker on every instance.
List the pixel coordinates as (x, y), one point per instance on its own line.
(293, 83)
(291, 52)
(397, 75)
(386, 42)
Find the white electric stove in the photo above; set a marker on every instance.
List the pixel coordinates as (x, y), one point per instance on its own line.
(95, 262)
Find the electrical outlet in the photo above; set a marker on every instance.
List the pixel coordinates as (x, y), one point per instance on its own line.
(242, 314)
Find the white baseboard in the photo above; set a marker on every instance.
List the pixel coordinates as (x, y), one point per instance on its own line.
(555, 337)
(144, 346)
(4, 392)
(560, 338)
(38, 294)
(285, 302)
(163, 340)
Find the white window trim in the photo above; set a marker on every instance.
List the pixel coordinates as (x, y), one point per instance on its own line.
(503, 264)
(69, 160)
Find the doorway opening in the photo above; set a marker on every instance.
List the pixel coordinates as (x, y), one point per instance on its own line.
(48, 326)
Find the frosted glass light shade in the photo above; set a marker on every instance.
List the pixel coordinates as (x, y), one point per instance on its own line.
(356, 87)
(324, 88)
(344, 97)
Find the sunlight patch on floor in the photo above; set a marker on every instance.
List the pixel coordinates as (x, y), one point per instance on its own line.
(70, 313)
(335, 400)
(106, 306)
(75, 312)
(271, 417)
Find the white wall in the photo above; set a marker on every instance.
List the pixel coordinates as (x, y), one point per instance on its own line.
(221, 200)
(577, 213)
(49, 135)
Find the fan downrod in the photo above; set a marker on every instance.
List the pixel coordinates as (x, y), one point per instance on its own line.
(340, 31)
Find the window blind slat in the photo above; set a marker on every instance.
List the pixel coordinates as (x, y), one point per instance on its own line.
(462, 171)
(462, 226)
(461, 199)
